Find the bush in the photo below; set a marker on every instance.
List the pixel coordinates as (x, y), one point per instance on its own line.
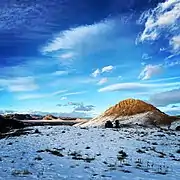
(108, 124)
(117, 125)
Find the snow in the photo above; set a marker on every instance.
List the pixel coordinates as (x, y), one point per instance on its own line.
(53, 154)
(147, 119)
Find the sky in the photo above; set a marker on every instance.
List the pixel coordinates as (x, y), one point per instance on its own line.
(78, 58)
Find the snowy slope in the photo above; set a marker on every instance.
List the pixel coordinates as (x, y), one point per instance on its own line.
(91, 153)
(147, 119)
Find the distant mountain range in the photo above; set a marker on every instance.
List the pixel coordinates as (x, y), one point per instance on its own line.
(73, 114)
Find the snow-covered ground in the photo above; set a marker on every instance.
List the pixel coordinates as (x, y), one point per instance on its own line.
(62, 152)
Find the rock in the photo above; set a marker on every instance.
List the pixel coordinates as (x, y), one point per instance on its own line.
(37, 131)
(178, 128)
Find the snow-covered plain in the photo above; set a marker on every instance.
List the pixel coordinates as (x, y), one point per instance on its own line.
(62, 152)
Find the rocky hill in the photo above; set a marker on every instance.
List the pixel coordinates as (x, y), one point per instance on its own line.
(49, 117)
(131, 111)
(130, 107)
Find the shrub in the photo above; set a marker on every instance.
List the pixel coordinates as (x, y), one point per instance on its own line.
(108, 124)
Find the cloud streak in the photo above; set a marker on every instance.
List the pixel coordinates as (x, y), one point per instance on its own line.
(39, 96)
(125, 87)
(74, 93)
(19, 84)
(103, 81)
(166, 98)
(135, 86)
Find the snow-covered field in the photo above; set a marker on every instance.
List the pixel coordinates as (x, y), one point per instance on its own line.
(62, 152)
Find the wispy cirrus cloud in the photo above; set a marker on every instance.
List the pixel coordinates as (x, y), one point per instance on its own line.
(136, 86)
(74, 93)
(125, 87)
(60, 73)
(68, 55)
(32, 96)
(19, 84)
(164, 79)
(39, 95)
(103, 81)
(166, 98)
(81, 37)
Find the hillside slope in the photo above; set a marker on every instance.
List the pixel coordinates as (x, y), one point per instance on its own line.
(131, 111)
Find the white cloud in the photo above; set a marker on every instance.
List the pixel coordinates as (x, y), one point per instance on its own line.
(107, 69)
(63, 98)
(74, 93)
(60, 73)
(39, 96)
(96, 73)
(172, 63)
(125, 87)
(175, 43)
(162, 21)
(31, 96)
(165, 79)
(149, 71)
(166, 98)
(80, 37)
(136, 86)
(68, 55)
(168, 4)
(19, 84)
(103, 70)
(58, 92)
(102, 81)
(146, 56)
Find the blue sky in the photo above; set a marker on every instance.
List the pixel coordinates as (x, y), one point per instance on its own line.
(80, 57)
